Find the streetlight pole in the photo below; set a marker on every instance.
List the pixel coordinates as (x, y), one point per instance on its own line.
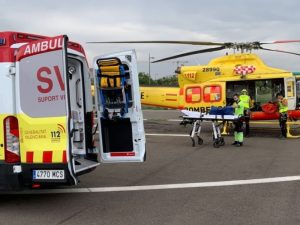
(150, 67)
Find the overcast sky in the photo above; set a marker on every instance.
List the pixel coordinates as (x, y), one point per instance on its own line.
(209, 20)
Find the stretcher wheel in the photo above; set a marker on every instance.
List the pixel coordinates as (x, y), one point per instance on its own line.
(193, 142)
(216, 144)
(200, 141)
(222, 141)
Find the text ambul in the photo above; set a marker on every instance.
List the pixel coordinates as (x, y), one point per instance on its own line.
(44, 46)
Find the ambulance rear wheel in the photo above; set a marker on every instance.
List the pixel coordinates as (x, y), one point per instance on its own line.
(200, 141)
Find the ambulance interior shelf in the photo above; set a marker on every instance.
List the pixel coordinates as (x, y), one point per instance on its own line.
(217, 121)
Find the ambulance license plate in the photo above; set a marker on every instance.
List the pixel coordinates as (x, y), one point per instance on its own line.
(48, 174)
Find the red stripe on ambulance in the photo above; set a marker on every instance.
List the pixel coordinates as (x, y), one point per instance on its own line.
(116, 154)
(47, 157)
(29, 157)
(64, 156)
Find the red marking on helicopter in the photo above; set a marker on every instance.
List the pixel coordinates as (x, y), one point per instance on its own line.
(243, 70)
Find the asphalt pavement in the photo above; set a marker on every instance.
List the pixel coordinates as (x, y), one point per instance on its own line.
(172, 160)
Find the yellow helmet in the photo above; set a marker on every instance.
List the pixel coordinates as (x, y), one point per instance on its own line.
(244, 91)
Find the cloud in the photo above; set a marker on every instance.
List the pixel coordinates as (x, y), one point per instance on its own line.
(214, 20)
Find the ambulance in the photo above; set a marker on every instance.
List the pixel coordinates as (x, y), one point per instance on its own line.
(48, 131)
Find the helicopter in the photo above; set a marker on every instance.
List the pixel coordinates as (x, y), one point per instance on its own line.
(214, 84)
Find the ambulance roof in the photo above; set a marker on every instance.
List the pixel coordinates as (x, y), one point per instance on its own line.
(9, 38)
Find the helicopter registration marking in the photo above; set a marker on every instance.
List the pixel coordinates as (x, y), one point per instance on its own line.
(190, 75)
(210, 69)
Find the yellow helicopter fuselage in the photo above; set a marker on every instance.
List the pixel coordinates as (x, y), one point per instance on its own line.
(214, 84)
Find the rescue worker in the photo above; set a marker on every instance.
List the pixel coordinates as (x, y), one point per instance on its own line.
(245, 98)
(238, 129)
(283, 111)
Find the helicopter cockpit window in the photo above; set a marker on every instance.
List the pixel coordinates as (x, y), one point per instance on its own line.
(266, 90)
(193, 94)
(263, 90)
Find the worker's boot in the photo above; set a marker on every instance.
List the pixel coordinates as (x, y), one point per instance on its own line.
(239, 144)
(235, 143)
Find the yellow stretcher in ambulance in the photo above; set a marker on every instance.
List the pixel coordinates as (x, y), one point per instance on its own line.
(47, 134)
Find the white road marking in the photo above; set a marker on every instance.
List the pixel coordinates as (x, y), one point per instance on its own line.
(163, 186)
(164, 135)
(168, 135)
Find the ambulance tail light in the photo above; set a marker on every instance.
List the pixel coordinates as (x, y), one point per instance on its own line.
(11, 140)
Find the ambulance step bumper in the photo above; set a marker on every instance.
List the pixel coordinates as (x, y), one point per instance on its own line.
(14, 177)
(10, 179)
(29, 174)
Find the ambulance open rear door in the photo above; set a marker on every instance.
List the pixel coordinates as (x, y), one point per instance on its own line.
(54, 106)
(118, 105)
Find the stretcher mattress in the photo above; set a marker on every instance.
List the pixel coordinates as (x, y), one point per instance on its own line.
(203, 116)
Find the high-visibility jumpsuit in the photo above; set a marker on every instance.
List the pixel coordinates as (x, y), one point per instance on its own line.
(283, 110)
(238, 130)
(246, 100)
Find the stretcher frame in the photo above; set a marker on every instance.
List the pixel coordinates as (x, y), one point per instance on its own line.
(217, 122)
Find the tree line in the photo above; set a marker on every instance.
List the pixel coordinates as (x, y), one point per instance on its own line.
(167, 81)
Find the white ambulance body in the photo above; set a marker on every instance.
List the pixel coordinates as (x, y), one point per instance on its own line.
(47, 134)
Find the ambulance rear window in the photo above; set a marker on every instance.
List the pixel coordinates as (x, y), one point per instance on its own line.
(42, 88)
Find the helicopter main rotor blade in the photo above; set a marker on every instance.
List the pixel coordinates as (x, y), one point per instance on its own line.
(158, 42)
(279, 42)
(191, 53)
(275, 50)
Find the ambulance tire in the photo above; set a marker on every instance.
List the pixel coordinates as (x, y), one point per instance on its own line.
(200, 141)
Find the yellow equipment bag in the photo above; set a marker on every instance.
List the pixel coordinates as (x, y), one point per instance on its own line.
(110, 73)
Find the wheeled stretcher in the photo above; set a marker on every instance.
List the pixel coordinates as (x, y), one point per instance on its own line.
(217, 121)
